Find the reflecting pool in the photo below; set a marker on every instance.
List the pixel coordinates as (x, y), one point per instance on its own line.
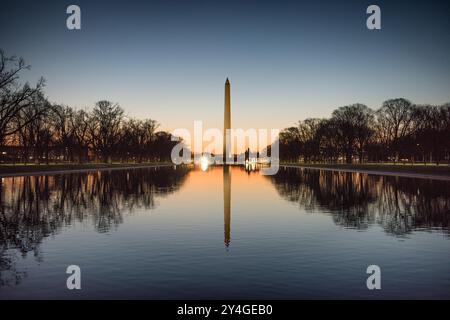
(177, 232)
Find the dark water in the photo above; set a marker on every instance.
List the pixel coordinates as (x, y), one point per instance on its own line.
(179, 233)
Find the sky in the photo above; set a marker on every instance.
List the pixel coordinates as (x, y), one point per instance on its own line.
(286, 60)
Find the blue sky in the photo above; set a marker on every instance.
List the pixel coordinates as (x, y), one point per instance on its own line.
(286, 60)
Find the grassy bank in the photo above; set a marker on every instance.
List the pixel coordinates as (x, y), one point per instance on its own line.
(21, 169)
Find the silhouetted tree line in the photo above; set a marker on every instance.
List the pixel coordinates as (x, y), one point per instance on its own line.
(359, 200)
(34, 130)
(35, 207)
(398, 131)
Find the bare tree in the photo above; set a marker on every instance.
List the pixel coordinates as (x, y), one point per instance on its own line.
(64, 131)
(80, 124)
(36, 129)
(395, 119)
(329, 140)
(307, 132)
(14, 97)
(354, 127)
(105, 128)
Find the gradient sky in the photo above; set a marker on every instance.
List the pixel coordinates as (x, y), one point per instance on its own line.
(286, 60)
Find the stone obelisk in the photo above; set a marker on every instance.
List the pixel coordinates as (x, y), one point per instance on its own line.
(227, 124)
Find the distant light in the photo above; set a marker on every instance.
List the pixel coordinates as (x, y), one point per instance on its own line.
(204, 163)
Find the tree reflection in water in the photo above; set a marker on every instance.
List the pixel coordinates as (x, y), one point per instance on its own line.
(35, 207)
(358, 200)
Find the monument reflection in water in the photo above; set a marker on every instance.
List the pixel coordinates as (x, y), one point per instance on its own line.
(227, 204)
(159, 233)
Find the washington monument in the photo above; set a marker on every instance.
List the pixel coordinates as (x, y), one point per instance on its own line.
(226, 169)
(227, 124)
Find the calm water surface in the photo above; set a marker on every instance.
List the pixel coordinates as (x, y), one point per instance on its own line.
(180, 233)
